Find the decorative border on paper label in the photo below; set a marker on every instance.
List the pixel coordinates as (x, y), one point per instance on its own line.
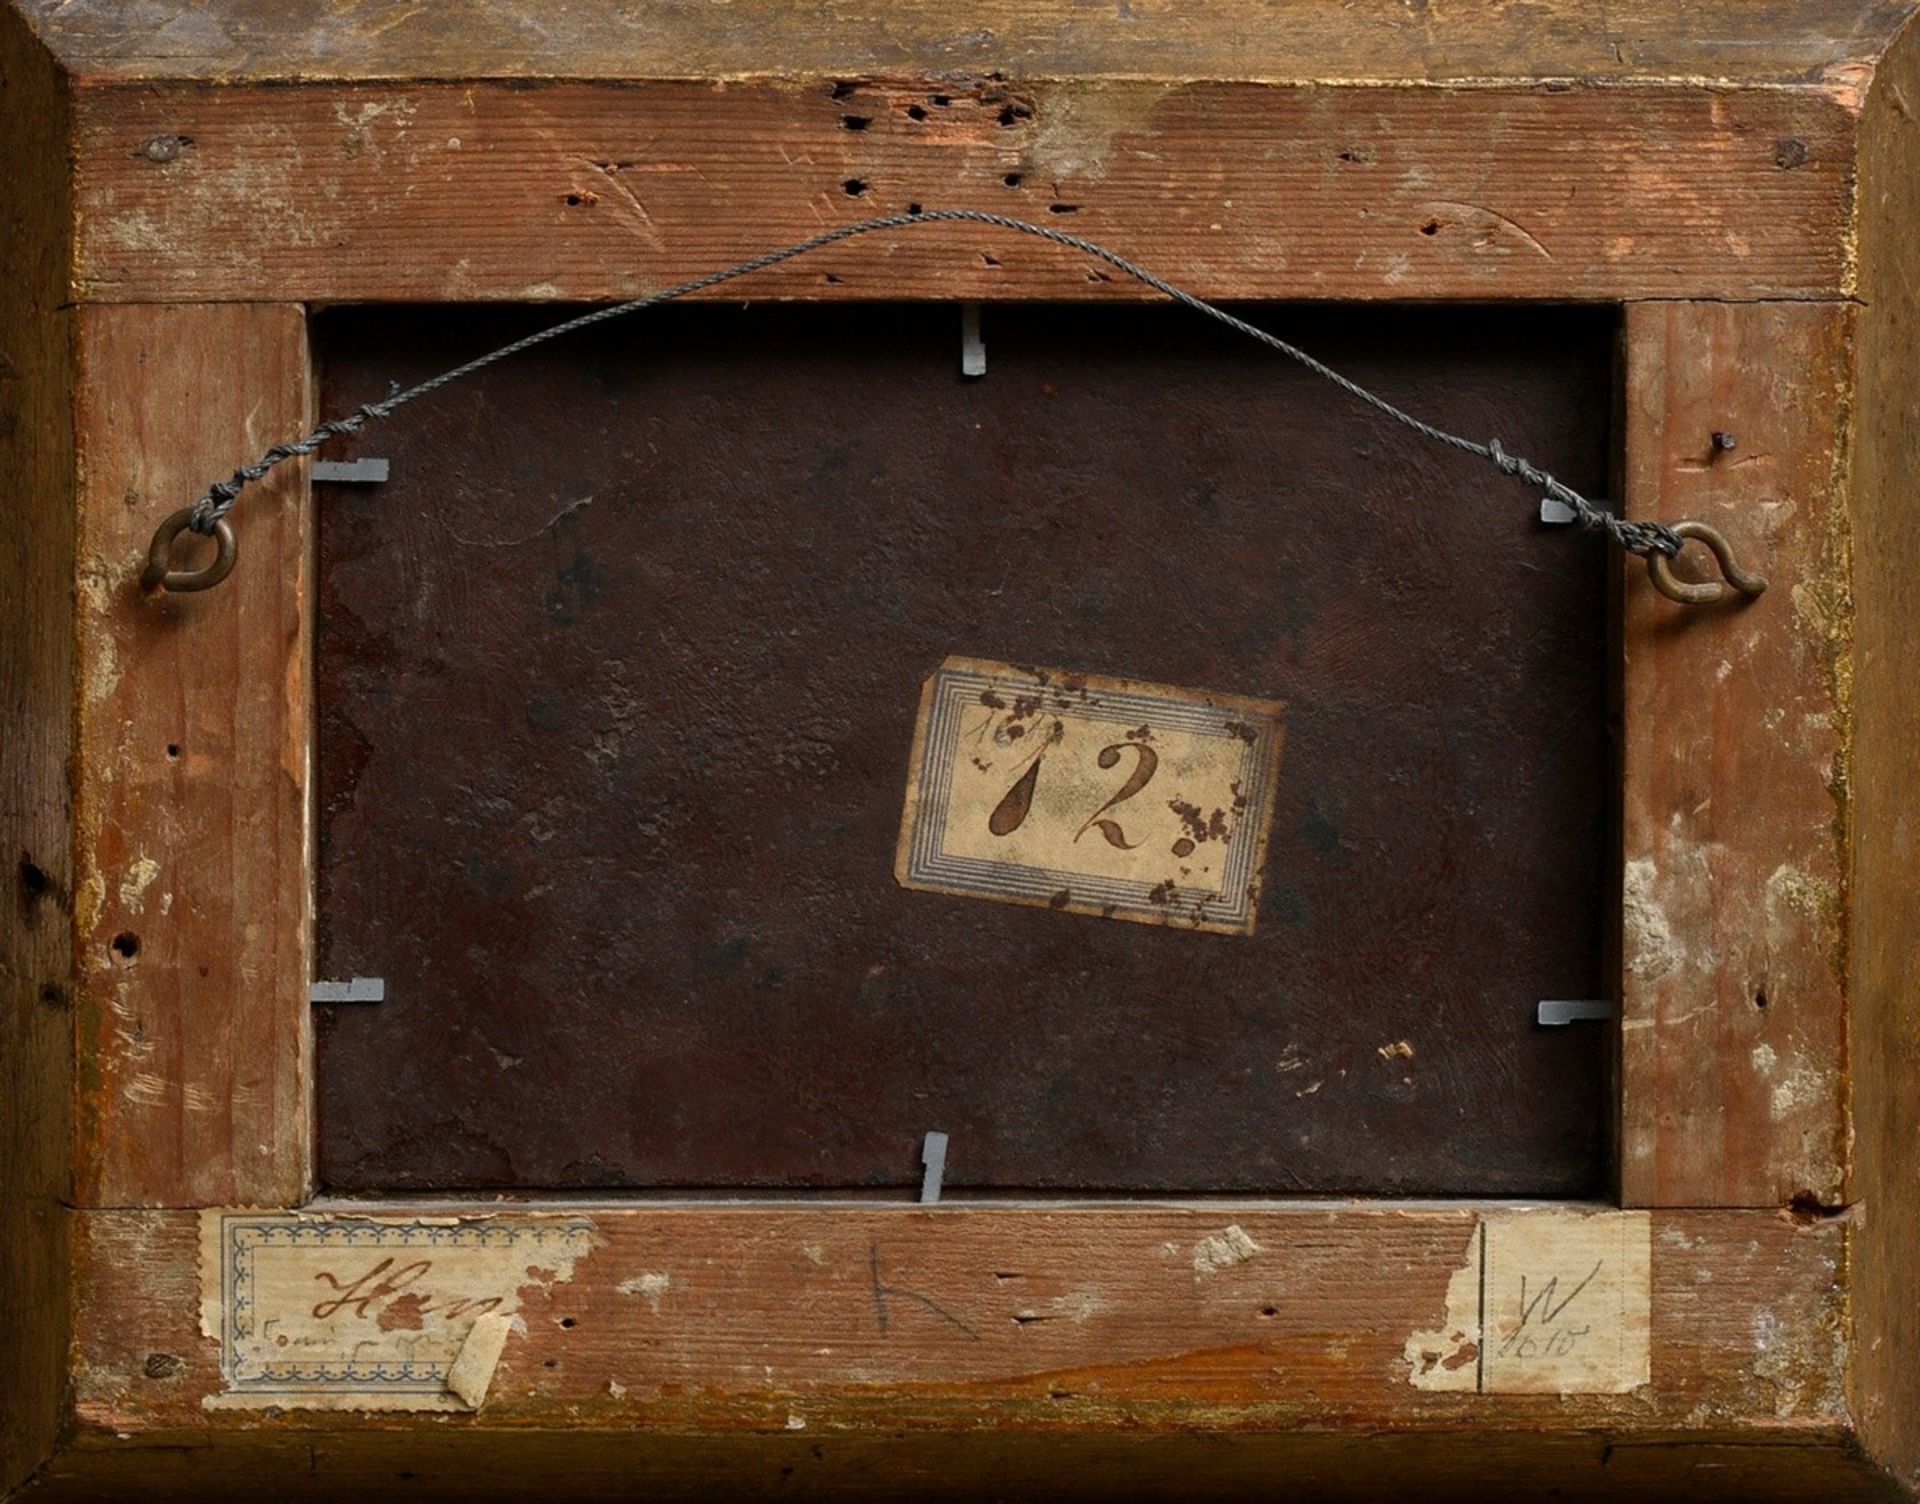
(1217, 770)
(335, 1312)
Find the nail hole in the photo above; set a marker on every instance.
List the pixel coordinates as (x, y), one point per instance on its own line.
(126, 945)
(1759, 1000)
(856, 122)
(987, 260)
(916, 112)
(913, 208)
(1431, 227)
(1063, 208)
(568, 1322)
(842, 90)
(855, 187)
(1012, 180)
(34, 881)
(1269, 1312)
(173, 749)
(942, 100)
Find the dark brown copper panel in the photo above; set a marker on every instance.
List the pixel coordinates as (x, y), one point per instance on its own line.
(617, 680)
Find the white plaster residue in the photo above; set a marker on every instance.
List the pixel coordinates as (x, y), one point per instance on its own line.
(649, 1287)
(1652, 951)
(1800, 1088)
(1777, 1360)
(139, 878)
(1223, 1250)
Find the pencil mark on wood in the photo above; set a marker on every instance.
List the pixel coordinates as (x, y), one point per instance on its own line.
(884, 1294)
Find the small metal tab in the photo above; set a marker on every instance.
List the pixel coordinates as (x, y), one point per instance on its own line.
(973, 350)
(358, 990)
(350, 472)
(933, 1155)
(1552, 1013)
(1552, 510)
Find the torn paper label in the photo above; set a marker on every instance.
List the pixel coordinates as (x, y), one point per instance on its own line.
(371, 1313)
(1111, 797)
(1547, 1302)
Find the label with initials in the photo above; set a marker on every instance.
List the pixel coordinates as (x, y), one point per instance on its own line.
(1098, 796)
(1549, 1301)
(324, 1312)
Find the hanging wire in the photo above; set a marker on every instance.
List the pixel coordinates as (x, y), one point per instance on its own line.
(1651, 540)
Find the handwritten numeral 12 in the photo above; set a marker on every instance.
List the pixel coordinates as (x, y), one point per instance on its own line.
(1012, 810)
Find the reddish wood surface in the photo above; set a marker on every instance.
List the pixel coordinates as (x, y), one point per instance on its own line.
(192, 916)
(753, 1318)
(1735, 777)
(425, 191)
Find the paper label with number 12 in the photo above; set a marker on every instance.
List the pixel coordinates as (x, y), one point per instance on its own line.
(1098, 796)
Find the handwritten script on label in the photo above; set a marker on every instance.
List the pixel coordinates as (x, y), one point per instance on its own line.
(1099, 796)
(1549, 1302)
(321, 1312)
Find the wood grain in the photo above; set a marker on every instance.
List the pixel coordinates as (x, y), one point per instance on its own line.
(191, 823)
(1240, 190)
(36, 741)
(1784, 1344)
(1884, 1036)
(457, 1463)
(1736, 774)
(762, 1318)
(256, 40)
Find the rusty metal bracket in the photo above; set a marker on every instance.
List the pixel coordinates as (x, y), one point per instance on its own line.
(1707, 592)
(160, 573)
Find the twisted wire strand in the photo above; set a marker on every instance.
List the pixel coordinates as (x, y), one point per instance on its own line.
(1643, 538)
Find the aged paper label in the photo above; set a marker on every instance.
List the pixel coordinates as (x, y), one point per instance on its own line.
(371, 1313)
(1548, 1302)
(1098, 796)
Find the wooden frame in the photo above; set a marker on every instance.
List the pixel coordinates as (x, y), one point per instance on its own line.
(179, 196)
